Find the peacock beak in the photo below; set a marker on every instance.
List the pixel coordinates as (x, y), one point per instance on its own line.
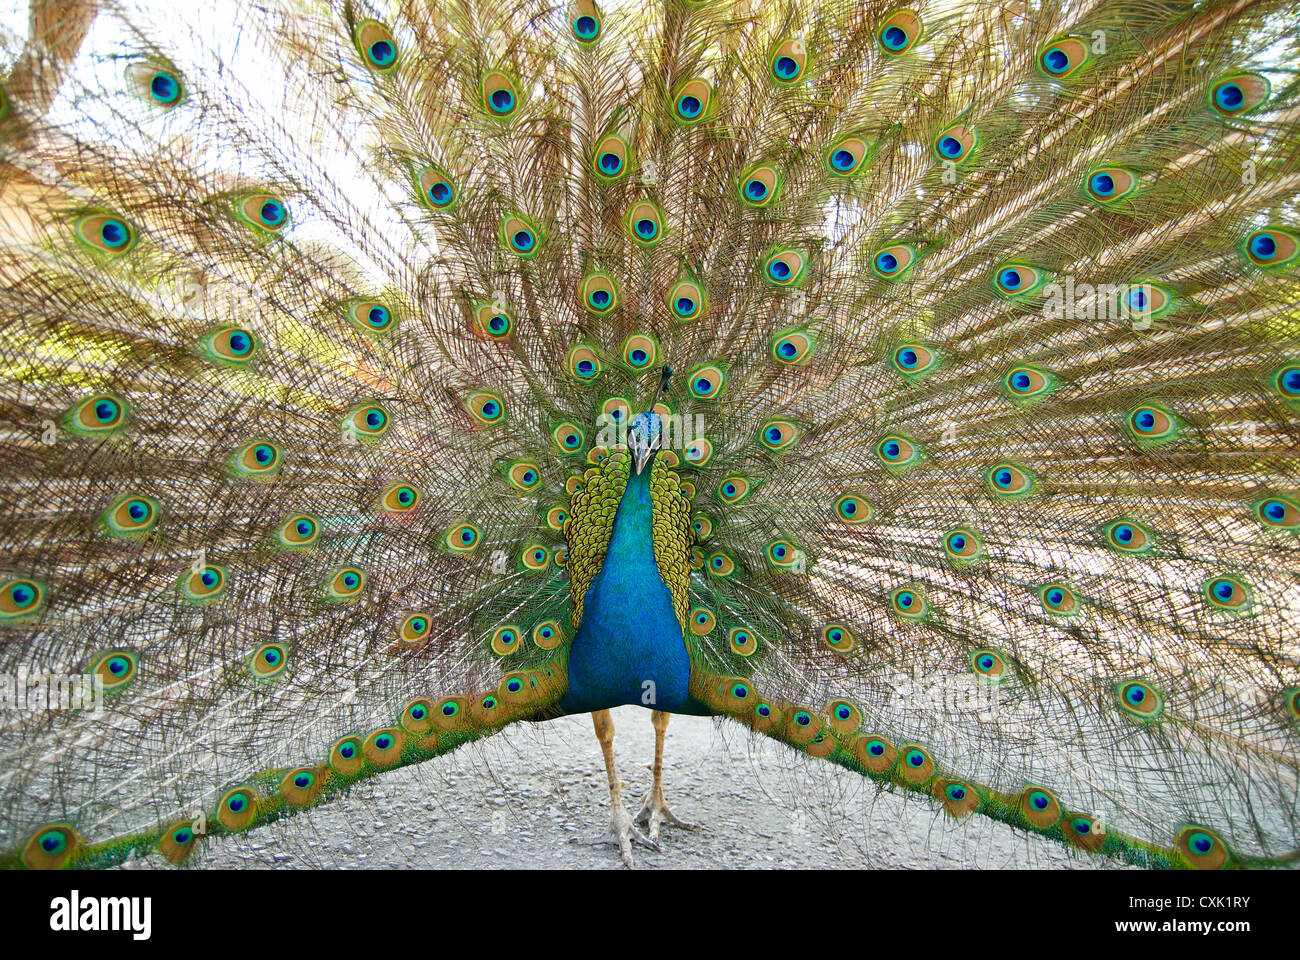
(641, 457)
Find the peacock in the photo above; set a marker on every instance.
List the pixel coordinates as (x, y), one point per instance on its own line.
(913, 382)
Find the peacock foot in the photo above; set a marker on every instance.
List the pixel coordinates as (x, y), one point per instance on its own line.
(623, 832)
(655, 812)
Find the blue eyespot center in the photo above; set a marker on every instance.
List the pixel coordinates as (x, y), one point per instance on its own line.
(502, 101)
(610, 163)
(887, 262)
(1263, 246)
(950, 147)
(585, 27)
(843, 160)
(787, 68)
(895, 38)
(689, 106)
(113, 233)
(163, 87)
(1103, 184)
(1229, 96)
(1056, 60)
(382, 53)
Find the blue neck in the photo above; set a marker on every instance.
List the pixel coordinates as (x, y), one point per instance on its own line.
(629, 637)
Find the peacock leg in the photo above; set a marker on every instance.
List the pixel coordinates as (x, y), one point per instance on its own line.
(654, 811)
(620, 821)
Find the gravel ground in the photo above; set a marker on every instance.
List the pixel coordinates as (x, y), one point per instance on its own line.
(517, 799)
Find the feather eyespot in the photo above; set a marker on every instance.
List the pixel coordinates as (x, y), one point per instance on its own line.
(535, 557)
(437, 189)
(1039, 807)
(1202, 848)
(734, 489)
(701, 622)
(876, 754)
(486, 407)
(838, 637)
(847, 157)
(131, 514)
(414, 628)
(598, 293)
(899, 32)
(1139, 699)
(204, 584)
(897, 452)
(955, 143)
(230, 345)
(100, 413)
(915, 764)
(462, 538)
(692, 101)
(399, 497)
(115, 669)
(367, 421)
(778, 435)
(523, 475)
(1280, 512)
(988, 664)
(506, 640)
(500, 96)
(1062, 57)
(1227, 594)
(1018, 279)
(759, 186)
(1272, 247)
(852, 508)
(909, 603)
(611, 158)
(785, 268)
(20, 598)
(345, 584)
(376, 45)
(158, 83)
(962, 546)
(520, 236)
(707, 381)
(583, 362)
(1110, 184)
(1059, 600)
(645, 223)
(585, 21)
(784, 555)
(720, 563)
(258, 460)
(1024, 382)
(568, 437)
(1150, 425)
(1009, 481)
(915, 361)
(686, 300)
(268, 661)
(895, 261)
(265, 211)
(792, 346)
(640, 351)
(548, 635)
(298, 531)
(1239, 93)
(743, 642)
(1127, 536)
(105, 233)
(369, 316)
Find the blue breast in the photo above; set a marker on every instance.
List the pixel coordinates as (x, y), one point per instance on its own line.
(629, 645)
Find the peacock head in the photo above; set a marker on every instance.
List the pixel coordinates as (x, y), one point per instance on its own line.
(644, 437)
